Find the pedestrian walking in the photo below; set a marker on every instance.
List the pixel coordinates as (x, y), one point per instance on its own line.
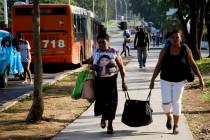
(153, 39)
(171, 66)
(158, 39)
(106, 62)
(141, 42)
(167, 41)
(24, 48)
(126, 41)
(18, 62)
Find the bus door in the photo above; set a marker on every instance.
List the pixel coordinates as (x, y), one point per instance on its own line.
(89, 36)
(84, 36)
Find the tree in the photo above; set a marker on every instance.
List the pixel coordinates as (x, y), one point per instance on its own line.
(207, 17)
(88, 4)
(99, 7)
(192, 11)
(37, 108)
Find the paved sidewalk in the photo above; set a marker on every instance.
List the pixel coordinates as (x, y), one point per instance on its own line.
(87, 127)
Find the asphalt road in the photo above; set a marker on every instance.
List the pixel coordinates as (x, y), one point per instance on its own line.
(16, 89)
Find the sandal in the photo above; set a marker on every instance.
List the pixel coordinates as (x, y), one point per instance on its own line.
(110, 130)
(175, 131)
(103, 123)
(169, 123)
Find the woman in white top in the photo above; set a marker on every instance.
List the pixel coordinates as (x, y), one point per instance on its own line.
(24, 48)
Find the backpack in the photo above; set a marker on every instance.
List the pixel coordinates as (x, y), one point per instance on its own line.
(126, 34)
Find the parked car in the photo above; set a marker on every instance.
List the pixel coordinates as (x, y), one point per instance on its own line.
(10, 60)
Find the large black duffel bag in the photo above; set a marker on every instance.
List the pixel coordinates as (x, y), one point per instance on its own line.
(136, 112)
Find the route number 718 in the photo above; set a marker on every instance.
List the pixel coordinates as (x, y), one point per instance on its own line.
(59, 43)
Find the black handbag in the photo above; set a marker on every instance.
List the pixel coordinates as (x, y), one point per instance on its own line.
(189, 74)
(136, 112)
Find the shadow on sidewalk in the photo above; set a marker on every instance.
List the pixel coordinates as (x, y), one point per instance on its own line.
(102, 135)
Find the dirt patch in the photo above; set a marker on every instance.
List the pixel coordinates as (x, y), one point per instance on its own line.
(60, 109)
(197, 111)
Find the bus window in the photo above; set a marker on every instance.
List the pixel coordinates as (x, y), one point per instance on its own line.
(23, 11)
(75, 23)
(79, 24)
(43, 11)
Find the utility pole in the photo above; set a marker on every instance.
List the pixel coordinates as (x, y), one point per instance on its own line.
(121, 4)
(106, 20)
(126, 10)
(27, 1)
(93, 6)
(116, 10)
(69, 2)
(5, 14)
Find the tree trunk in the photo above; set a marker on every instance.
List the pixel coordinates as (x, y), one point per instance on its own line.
(208, 37)
(193, 44)
(201, 22)
(37, 108)
(196, 16)
(207, 22)
(184, 27)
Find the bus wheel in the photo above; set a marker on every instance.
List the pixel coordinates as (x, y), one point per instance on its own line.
(4, 79)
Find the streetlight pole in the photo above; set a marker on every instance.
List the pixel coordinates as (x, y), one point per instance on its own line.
(93, 6)
(126, 6)
(106, 15)
(5, 14)
(116, 9)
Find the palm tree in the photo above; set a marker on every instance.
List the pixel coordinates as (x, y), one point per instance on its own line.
(37, 108)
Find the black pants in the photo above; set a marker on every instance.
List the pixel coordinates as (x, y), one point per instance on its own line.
(124, 50)
(106, 97)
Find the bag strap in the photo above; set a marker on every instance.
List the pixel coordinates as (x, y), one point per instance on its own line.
(128, 97)
(148, 97)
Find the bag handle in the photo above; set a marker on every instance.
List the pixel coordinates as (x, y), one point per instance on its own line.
(128, 97)
(148, 97)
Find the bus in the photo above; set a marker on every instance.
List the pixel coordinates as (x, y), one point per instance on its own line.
(67, 33)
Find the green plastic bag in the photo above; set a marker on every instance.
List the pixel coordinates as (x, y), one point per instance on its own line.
(77, 91)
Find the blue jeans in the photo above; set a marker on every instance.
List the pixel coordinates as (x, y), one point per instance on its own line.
(142, 55)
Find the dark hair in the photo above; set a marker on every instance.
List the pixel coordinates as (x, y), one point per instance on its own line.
(103, 56)
(104, 36)
(18, 34)
(175, 31)
(4, 40)
(168, 34)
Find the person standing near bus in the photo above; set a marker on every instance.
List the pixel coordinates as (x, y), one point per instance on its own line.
(24, 48)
